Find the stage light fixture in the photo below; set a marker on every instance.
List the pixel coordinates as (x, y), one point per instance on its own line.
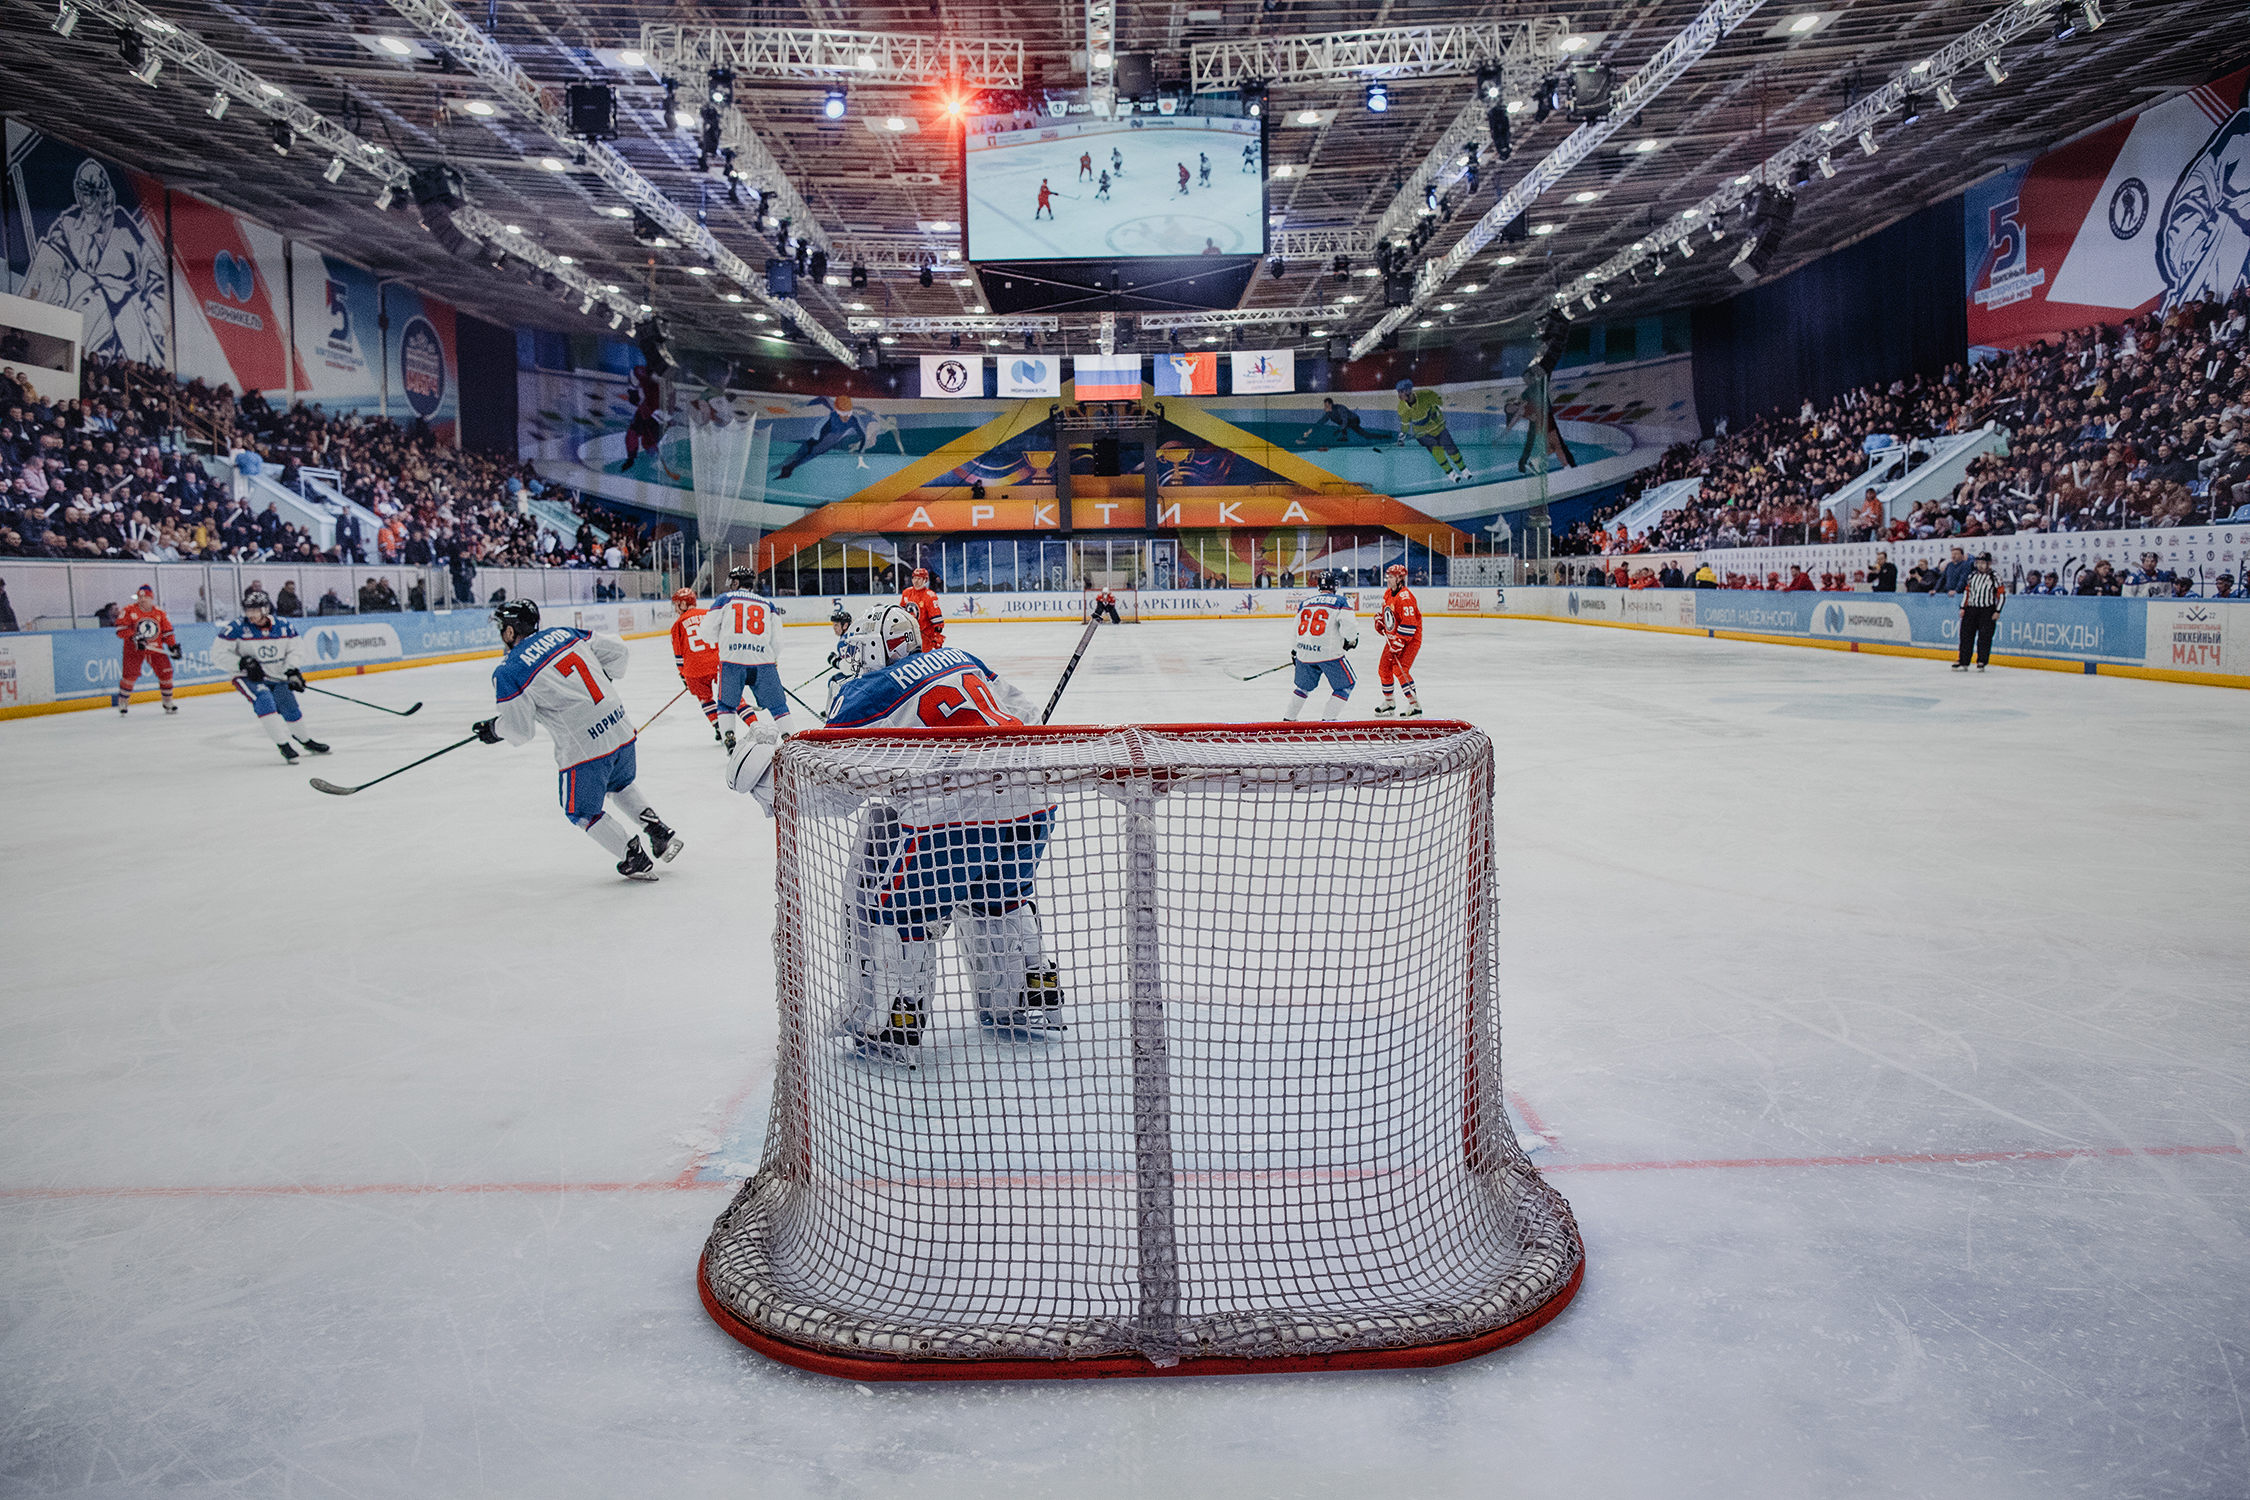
(281, 136)
(1994, 71)
(1827, 167)
(673, 113)
(1254, 98)
(1277, 268)
(859, 276)
(334, 171)
(616, 320)
(1496, 124)
(1946, 98)
(1911, 109)
(1378, 97)
(221, 102)
(385, 198)
(832, 107)
(707, 137)
(1491, 83)
(137, 58)
(645, 229)
(592, 108)
(2092, 11)
(718, 86)
(2063, 26)
(65, 22)
(1867, 141)
(1686, 249)
(926, 277)
(819, 264)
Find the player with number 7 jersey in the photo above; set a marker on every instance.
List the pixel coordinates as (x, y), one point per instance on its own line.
(566, 679)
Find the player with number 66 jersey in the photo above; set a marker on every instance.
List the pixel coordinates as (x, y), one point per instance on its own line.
(1327, 627)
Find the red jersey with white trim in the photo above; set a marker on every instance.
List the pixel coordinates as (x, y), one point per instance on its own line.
(133, 616)
(1401, 617)
(697, 658)
(924, 603)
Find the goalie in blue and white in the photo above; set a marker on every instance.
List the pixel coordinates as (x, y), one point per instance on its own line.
(936, 858)
(1326, 629)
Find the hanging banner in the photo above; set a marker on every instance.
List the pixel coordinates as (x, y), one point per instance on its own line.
(1187, 374)
(1107, 377)
(339, 352)
(1259, 372)
(421, 376)
(2143, 214)
(954, 376)
(1031, 375)
(229, 285)
(87, 234)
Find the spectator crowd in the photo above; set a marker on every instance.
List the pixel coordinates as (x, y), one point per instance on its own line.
(2113, 427)
(113, 474)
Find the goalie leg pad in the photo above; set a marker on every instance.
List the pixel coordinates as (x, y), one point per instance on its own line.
(897, 979)
(1017, 984)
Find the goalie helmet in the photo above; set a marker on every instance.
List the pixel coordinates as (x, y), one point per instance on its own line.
(683, 600)
(519, 615)
(887, 633)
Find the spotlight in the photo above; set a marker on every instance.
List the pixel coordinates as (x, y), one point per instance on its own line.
(1429, 199)
(1912, 107)
(1543, 103)
(926, 278)
(334, 171)
(645, 229)
(616, 320)
(385, 198)
(221, 102)
(707, 138)
(718, 86)
(587, 306)
(282, 136)
(593, 111)
(1378, 97)
(819, 266)
(1605, 296)
(1994, 71)
(832, 107)
(65, 22)
(1277, 268)
(1254, 98)
(859, 276)
(1590, 87)
(2093, 13)
(1687, 249)
(2064, 26)
(1341, 265)
(1827, 167)
(1496, 121)
(1946, 98)
(1030, 341)
(957, 341)
(1490, 83)
(1867, 141)
(133, 52)
(1588, 303)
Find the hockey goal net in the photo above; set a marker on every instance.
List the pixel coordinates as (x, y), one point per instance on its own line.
(1141, 1050)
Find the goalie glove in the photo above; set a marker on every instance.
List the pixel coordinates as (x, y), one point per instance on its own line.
(751, 773)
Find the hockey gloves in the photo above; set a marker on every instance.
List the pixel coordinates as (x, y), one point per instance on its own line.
(487, 730)
(173, 651)
(251, 670)
(295, 679)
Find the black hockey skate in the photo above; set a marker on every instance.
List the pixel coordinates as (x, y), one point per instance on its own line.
(170, 707)
(662, 841)
(718, 737)
(730, 742)
(1037, 1011)
(288, 753)
(124, 704)
(315, 746)
(1384, 710)
(1413, 711)
(899, 1042)
(636, 865)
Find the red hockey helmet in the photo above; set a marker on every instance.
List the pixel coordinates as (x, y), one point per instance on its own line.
(922, 577)
(1395, 573)
(683, 600)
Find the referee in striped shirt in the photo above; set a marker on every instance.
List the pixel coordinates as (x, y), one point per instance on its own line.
(1980, 612)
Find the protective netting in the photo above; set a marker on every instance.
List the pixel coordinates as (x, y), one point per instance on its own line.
(1272, 1128)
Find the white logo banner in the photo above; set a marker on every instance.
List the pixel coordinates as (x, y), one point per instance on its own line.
(1264, 371)
(1030, 375)
(952, 375)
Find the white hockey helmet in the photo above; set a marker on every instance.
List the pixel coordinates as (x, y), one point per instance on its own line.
(887, 633)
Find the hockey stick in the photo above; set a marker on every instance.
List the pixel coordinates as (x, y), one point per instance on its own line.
(401, 712)
(1084, 640)
(652, 718)
(1254, 676)
(333, 790)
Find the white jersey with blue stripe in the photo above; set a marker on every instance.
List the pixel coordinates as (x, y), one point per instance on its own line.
(272, 645)
(942, 689)
(744, 627)
(567, 680)
(1324, 623)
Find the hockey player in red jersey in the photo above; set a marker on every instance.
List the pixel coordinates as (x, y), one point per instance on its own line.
(1046, 200)
(696, 659)
(921, 598)
(1400, 624)
(147, 633)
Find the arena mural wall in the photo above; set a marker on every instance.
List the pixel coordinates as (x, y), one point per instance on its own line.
(87, 234)
(2146, 213)
(170, 280)
(848, 462)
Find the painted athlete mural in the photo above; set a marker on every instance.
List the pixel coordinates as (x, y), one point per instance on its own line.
(2142, 215)
(82, 228)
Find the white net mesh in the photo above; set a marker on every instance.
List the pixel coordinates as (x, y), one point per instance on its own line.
(1271, 1126)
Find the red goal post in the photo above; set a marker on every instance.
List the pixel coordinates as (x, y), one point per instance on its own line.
(1270, 1136)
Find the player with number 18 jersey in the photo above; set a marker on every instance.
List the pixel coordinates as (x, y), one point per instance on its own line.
(744, 627)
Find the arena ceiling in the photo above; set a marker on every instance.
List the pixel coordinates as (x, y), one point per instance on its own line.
(891, 198)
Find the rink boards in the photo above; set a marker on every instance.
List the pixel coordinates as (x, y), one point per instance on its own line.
(2180, 640)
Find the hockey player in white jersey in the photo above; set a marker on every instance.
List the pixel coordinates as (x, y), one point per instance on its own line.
(262, 649)
(567, 680)
(936, 857)
(744, 626)
(1326, 629)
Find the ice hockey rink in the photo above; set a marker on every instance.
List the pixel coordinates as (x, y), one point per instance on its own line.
(1884, 1027)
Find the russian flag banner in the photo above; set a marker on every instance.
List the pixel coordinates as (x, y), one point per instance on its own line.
(1108, 377)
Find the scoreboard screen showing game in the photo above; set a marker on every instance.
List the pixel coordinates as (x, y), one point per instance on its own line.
(1093, 188)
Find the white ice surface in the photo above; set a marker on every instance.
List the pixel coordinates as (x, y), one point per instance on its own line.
(339, 1138)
